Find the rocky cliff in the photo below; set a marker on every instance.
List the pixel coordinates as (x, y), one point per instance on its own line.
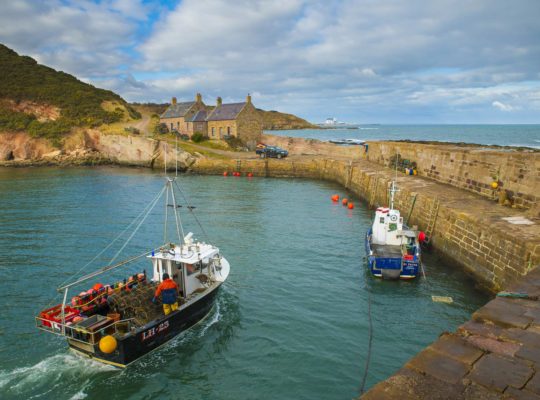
(90, 146)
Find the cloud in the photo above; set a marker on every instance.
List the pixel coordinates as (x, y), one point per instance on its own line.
(358, 60)
(502, 106)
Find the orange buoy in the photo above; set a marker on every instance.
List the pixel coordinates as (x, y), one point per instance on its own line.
(335, 198)
(225, 173)
(421, 236)
(344, 202)
(97, 286)
(350, 206)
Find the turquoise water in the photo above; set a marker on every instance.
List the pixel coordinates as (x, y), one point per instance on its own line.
(503, 135)
(290, 323)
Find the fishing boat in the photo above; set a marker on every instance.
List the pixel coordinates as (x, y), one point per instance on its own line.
(356, 142)
(392, 248)
(118, 321)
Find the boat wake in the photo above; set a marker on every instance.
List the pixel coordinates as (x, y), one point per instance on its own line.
(49, 376)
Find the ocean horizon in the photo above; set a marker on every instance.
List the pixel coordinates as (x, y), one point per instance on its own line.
(515, 135)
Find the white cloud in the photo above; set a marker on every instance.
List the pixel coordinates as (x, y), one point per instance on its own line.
(382, 60)
(502, 106)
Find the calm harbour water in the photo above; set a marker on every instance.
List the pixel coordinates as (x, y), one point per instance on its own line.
(290, 323)
(503, 135)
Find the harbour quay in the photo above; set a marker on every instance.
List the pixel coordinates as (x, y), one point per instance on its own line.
(494, 237)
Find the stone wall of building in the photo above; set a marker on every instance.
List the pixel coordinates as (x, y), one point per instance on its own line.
(471, 167)
(249, 124)
(221, 129)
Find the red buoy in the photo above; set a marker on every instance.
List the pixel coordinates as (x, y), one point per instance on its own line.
(350, 206)
(344, 202)
(421, 236)
(250, 175)
(237, 173)
(225, 173)
(335, 198)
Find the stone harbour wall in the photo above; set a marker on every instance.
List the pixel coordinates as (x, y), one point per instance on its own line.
(471, 167)
(465, 228)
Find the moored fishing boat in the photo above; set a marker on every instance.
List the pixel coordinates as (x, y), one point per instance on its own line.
(117, 322)
(392, 248)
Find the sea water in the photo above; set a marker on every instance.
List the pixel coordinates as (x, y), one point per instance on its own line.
(291, 321)
(502, 135)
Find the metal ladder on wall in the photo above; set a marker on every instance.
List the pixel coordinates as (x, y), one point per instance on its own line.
(432, 220)
(373, 185)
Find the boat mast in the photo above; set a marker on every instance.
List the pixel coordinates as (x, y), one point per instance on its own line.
(393, 187)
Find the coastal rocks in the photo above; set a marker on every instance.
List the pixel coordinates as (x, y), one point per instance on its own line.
(90, 147)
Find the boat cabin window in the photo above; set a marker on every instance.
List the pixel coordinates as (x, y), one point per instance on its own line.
(190, 269)
(382, 220)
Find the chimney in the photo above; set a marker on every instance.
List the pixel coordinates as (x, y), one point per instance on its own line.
(218, 101)
(248, 98)
(198, 98)
(173, 101)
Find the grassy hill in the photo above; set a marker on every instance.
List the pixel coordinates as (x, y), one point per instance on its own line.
(275, 120)
(48, 103)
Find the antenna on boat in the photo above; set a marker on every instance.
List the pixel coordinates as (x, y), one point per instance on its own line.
(393, 188)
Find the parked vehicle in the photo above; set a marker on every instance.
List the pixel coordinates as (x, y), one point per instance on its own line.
(270, 151)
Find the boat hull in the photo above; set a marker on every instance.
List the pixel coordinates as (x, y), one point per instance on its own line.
(387, 266)
(151, 336)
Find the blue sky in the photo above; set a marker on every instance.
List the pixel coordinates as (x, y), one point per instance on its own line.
(363, 61)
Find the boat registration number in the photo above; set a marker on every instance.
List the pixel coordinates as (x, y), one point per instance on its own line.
(155, 330)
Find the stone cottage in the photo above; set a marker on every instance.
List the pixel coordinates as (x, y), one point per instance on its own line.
(177, 115)
(240, 120)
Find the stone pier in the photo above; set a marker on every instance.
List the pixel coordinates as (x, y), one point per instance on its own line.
(495, 355)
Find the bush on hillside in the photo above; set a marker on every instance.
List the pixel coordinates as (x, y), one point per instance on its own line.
(198, 137)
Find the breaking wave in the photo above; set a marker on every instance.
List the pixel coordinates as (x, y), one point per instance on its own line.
(49, 376)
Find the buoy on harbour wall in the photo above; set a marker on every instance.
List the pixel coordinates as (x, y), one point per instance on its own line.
(421, 236)
(250, 175)
(335, 198)
(237, 174)
(414, 172)
(350, 206)
(225, 173)
(344, 202)
(494, 184)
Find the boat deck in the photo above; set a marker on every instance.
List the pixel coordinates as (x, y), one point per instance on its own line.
(386, 251)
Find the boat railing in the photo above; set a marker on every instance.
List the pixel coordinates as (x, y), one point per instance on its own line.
(85, 334)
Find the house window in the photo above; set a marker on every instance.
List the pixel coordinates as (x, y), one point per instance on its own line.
(229, 130)
(213, 131)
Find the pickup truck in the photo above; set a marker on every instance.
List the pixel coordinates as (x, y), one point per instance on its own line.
(271, 151)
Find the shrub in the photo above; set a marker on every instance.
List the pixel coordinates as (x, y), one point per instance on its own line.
(198, 137)
(234, 142)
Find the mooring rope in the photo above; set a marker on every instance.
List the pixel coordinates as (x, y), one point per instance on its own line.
(370, 342)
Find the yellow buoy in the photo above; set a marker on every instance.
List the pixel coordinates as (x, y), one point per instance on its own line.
(494, 184)
(107, 344)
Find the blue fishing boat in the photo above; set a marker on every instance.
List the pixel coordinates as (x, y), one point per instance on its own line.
(392, 248)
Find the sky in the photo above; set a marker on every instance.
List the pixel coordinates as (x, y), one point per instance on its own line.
(362, 61)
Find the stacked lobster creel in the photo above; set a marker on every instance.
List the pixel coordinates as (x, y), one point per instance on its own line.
(87, 303)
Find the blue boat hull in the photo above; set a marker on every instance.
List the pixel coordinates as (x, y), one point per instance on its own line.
(390, 267)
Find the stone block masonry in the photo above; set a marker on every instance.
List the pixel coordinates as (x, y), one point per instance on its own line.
(471, 167)
(465, 228)
(495, 355)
